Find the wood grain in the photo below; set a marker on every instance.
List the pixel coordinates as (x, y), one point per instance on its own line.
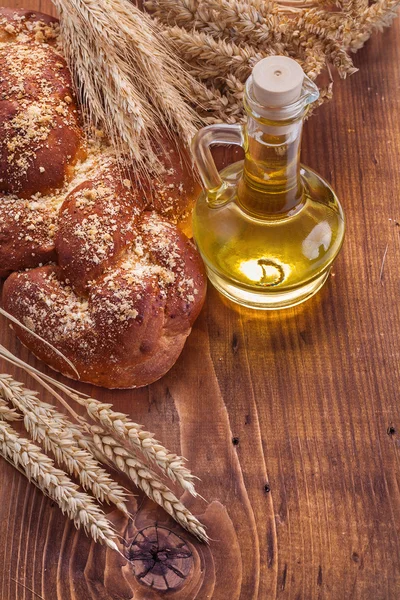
(291, 419)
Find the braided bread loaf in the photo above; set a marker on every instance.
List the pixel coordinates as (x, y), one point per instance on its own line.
(100, 272)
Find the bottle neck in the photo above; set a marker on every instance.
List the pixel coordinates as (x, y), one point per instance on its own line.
(271, 182)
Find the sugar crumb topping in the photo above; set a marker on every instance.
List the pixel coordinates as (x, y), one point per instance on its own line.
(154, 258)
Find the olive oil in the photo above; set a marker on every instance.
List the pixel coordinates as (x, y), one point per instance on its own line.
(268, 228)
(274, 261)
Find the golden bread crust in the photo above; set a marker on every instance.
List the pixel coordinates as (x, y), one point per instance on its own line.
(27, 229)
(103, 276)
(133, 323)
(97, 223)
(40, 136)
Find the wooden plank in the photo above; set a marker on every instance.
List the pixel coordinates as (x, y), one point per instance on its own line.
(305, 504)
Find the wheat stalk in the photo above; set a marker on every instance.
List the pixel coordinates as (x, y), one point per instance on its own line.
(79, 506)
(64, 439)
(135, 437)
(126, 459)
(242, 21)
(147, 481)
(107, 447)
(115, 453)
(119, 423)
(128, 77)
(377, 16)
(221, 39)
(208, 58)
(138, 73)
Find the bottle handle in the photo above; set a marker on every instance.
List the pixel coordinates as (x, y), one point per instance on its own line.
(219, 191)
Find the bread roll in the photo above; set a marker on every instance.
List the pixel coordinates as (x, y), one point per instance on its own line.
(100, 269)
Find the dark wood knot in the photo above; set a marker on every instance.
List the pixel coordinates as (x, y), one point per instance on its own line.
(161, 559)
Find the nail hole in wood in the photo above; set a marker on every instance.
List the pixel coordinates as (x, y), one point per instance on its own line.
(235, 343)
(235, 441)
(391, 430)
(303, 335)
(267, 488)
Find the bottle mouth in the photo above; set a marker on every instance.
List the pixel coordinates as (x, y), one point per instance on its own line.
(289, 112)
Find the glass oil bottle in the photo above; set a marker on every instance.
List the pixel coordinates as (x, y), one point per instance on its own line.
(268, 228)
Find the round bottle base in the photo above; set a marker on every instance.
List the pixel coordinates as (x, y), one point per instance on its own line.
(264, 300)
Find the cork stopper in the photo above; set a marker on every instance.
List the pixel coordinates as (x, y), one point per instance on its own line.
(277, 81)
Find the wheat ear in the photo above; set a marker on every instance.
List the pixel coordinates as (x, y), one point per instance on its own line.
(7, 413)
(220, 106)
(63, 438)
(209, 57)
(147, 481)
(377, 16)
(79, 506)
(108, 449)
(222, 39)
(133, 435)
(240, 20)
(119, 423)
(128, 76)
(113, 452)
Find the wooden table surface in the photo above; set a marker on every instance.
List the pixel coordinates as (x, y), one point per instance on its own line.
(290, 419)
